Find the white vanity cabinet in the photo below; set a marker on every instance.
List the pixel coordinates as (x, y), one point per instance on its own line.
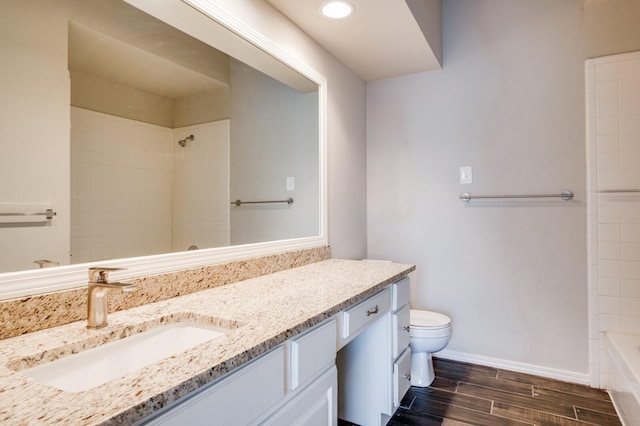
(374, 365)
(297, 383)
(294, 383)
(311, 379)
(315, 405)
(227, 401)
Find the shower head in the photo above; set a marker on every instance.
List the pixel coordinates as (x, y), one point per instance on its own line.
(183, 142)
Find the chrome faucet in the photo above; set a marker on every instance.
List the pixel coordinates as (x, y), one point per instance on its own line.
(97, 301)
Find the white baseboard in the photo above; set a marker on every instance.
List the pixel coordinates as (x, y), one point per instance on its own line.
(520, 367)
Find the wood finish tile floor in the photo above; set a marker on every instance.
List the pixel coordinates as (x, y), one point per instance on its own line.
(467, 394)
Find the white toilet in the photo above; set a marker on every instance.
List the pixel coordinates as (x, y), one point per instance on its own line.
(430, 332)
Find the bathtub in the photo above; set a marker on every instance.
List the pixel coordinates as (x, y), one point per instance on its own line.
(623, 362)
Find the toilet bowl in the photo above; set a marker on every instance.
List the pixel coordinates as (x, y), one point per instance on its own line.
(430, 332)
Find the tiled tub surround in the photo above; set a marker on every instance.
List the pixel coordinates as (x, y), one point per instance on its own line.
(623, 364)
(267, 311)
(613, 155)
(151, 184)
(28, 314)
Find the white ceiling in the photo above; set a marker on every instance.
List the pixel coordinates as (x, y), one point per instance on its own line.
(98, 54)
(381, 39)
(118, 42)
(115, 41)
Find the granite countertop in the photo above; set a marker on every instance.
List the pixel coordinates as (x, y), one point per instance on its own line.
(262, 313)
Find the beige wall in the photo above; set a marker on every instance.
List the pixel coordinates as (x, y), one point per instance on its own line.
(275, 136)
(200, 201)
(34, 131)
(94, 93)
(509, 102)
(204, 108)
(428, 15)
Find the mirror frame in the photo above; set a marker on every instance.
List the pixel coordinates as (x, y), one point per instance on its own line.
(38, 281)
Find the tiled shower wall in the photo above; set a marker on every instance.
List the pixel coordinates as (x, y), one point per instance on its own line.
(201, 187)
(125, 192)
(613, 164)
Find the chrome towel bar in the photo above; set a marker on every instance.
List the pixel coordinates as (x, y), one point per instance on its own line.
(565, 195)
(48, 213)
(238, 203)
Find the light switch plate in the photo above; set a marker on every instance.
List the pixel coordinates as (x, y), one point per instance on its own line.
(290, 183)
(466, 175)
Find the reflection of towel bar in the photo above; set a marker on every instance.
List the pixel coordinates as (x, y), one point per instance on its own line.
(617, 191)
(238, 203)
(48, 213)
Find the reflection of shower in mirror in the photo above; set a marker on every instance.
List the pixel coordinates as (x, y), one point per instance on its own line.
(183, 142)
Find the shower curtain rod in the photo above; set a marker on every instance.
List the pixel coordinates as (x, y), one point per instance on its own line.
(565, 195)
(238, 203)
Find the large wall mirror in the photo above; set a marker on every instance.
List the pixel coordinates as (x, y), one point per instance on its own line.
(138, 124)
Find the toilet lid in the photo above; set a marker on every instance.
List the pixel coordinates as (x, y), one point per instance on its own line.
(428, 319)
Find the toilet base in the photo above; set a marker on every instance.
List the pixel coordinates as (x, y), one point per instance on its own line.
(422, 374)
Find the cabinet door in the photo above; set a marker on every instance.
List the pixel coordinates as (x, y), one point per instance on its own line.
(236, 400)
(314, 406)
(401, 377)
(311, 353)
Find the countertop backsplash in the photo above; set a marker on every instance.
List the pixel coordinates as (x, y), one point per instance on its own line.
(38, 312)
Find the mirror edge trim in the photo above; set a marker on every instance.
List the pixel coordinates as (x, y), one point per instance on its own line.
(39, 281)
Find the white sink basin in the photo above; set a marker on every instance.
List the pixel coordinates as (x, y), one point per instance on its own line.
(102, 364)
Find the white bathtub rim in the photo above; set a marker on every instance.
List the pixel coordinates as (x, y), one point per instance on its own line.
(625, 351)
(621, 350)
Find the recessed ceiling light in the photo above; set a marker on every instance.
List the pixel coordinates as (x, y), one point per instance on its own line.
(337, 9)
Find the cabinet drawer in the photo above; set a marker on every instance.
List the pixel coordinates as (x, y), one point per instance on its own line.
(401, 335)
(364, 313)
(238, 399)
(401, 377)
(311, 353)
(400, 292)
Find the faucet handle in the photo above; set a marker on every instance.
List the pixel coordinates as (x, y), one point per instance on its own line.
(44, 263)
(100, 274)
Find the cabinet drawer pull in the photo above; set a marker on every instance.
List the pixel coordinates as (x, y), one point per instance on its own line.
(373, 312)
(407, 328)
(407, 376)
